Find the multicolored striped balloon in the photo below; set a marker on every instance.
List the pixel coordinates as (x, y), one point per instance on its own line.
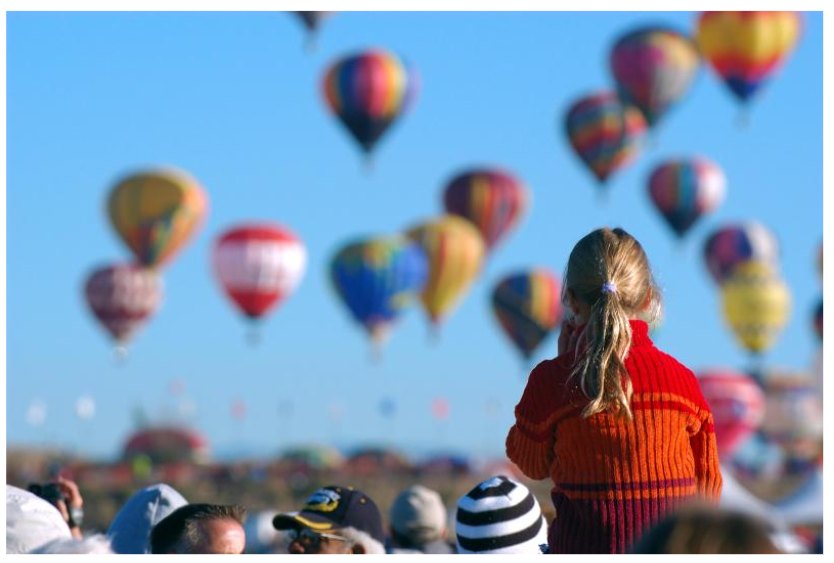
(757, 305)
(123, 297)
(605, 133)
(654, 68)
(528, 306)
(368, 91)
(746, 48)
(492, 199)
(258, 265)
(455, 250)
(735, 243)
(683, 190)
(377, 279)
(156, 212)
(312, 20)
(818, 320)
(737, 403)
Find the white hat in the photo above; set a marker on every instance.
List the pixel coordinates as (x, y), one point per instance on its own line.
(31, 522)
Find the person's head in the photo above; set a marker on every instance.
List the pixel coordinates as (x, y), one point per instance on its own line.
(417, 517)
(500, 516)
(200, 528)
(334, 520)
(608, 281)
(706, 530)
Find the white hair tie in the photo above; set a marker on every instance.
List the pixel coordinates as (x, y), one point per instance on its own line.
(609, 287)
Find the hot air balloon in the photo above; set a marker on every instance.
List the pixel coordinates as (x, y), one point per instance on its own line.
(123, 297)
(793, 412)
(757, 305)
(737, 403)
(605, 133)
(368, 91)
(528, 307)
(312, 21)
(491, 199)
(818, 320)
(685, 189)
(258, 265)
(156, 212)
(653, 68)
(735, 243)
(377, 279)
(455, 251)
(746, 48)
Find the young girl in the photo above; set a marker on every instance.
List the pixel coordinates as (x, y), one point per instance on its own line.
(620, 427)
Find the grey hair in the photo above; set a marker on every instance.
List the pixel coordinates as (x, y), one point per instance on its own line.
(354, 536)
(98, 544)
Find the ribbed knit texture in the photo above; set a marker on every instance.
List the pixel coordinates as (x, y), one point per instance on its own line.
(612, 479)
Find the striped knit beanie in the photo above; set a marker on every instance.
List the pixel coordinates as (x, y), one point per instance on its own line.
(500, 516)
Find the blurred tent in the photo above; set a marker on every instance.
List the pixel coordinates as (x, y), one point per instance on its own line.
(167, 444)
(454, 464)
(313, 456)
(369, 460)
(805, 506)
(735, 497)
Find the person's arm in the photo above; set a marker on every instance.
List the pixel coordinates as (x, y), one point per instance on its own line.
(705, 450)
(74, 502)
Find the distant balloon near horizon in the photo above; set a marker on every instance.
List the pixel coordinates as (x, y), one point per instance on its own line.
(757, 305)
(654, 68)
(258, 265)
(85, 408)
(737, 403)
(123, 297)
(455, 250)
(735, 243)
(440, 408)
(377, 279)
(36, 413)
(606, 134)
(368, 92)
(156, 212)
(683, 190)
(528, 306)
(491, 198)
(747, 48)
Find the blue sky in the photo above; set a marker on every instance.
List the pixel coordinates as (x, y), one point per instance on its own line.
(234, 98)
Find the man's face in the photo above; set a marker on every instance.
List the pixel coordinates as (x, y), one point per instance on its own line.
(222, 536)
(310, 542)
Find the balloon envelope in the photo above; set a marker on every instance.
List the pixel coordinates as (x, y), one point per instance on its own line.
(491, 199)
(605, 133)
(737, 403)
(746, 48)
(793, 411)
(735, 243)
(683, 190)
(654, 68)
(368, 92)
(528, 307)
(123, 297)
(818, 320)
(757, 305)
(455, 251)
(377, 279)
(312, 20)
(258, 265)
(156, 212)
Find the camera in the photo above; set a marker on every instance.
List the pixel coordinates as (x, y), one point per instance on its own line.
(51, 493)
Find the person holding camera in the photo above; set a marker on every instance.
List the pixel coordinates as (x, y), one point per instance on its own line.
(64, 495)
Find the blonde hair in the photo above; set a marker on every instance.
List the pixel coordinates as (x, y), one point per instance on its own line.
(609, 271)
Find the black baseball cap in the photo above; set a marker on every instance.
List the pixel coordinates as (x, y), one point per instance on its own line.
(332, 508)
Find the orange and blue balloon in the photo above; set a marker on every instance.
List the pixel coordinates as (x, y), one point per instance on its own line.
(491, 199)
(747, 48)
(368, 92)
(605, 133)
(528, 307)
(683, 190)
(654, 68)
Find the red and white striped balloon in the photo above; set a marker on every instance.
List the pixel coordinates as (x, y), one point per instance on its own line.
(737, 403)
(258, 266)
(123, 297)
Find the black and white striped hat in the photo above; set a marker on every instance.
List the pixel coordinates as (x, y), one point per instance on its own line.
(500, 516)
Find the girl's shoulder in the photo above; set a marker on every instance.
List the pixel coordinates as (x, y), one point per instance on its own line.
(678, 375)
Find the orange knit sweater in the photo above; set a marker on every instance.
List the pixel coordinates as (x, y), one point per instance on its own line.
(614, 479)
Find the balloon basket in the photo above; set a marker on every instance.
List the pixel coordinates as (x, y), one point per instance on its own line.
(311, 43)
(253, 337)
(743, 119)
(120, 355)
(368, 164)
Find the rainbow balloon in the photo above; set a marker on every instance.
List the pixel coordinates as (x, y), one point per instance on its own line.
(746, 48)
(735, 243)
(683, 190)
(654, 68)
(368, 92)
(605, 133)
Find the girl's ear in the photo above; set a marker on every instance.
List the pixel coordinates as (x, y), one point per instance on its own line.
(572, 302)
(648, 301)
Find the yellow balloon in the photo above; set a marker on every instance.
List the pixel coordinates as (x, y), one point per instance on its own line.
(455, 249)
(757, 304)
(155, 212)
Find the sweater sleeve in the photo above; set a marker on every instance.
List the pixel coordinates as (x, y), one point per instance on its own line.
(530, 441)
(705, 450)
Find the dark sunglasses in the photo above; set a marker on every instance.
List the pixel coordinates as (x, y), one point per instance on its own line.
(311, 538)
